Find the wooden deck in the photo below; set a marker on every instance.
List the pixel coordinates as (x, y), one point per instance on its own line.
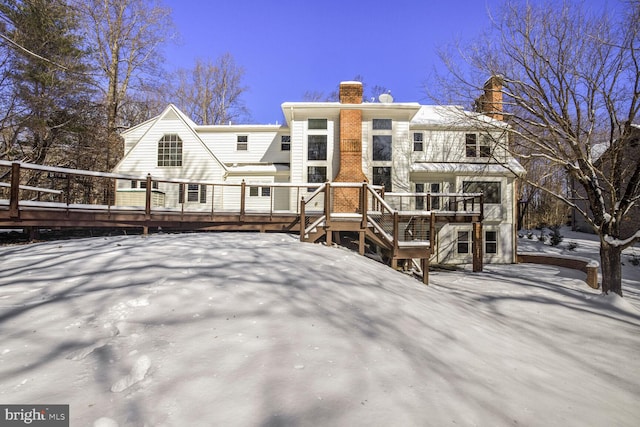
(398, 234)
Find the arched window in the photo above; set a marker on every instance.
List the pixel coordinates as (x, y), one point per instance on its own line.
(170, 150)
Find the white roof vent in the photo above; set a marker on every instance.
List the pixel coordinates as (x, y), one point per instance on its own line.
(385, 98)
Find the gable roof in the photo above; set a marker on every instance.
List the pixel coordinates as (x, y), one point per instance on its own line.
(172, 112)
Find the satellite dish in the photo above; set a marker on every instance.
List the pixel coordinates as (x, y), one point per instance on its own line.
(385, 98)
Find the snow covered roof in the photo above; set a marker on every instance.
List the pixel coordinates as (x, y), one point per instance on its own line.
(512, 166)
(257, 169)
(453, 116)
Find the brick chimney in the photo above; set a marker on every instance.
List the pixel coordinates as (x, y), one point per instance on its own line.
(490, 102)
(347, 199)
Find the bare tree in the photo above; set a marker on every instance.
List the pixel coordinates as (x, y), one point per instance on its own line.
(127, 36)
(571, 90)
(211, 92)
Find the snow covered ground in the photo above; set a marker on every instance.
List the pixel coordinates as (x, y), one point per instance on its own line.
(247, 329)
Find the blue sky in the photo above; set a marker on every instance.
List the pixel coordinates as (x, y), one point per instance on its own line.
(288, 47)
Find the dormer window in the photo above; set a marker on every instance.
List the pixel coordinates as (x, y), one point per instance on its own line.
(170, 150)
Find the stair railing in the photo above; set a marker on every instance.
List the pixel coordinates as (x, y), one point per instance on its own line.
(383, 218)
(310, 220)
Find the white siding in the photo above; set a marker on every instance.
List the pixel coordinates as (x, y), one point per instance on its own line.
(197, 162)
(262, 146)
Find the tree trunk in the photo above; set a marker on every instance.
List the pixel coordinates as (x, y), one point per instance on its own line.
(611, 264)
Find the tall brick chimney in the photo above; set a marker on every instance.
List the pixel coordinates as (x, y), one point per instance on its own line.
(490, 102)
(347, 199)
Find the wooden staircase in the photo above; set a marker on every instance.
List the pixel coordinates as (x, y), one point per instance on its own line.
(397, 235)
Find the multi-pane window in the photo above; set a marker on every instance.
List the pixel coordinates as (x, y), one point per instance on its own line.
(317, 149)
(419, 199)
(143, 184)
(259, 191)
(471, 140)
(475, 147)
(195, 193)
(382, 147)
(418, 142)
(382, 176)
(242, 143)
(317, 123)
(170, 150)
(491, 242)
(382, 124)
(485, 146)
(433, 188)
(285, 143)
(491, 190)
(463, 243)
(435, 201)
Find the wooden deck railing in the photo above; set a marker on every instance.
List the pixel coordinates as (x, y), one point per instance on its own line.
(394, 218)
(446, 203)
(57, 187)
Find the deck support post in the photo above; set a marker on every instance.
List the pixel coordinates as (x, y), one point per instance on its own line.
(147, 200)
(477, 247)
(14, 210)
(327, 214)
(425, 268)
(243, 192)
(363, 211)
(303, 220)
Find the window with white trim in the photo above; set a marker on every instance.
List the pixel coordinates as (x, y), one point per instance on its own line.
(418, 141)
(170, 150)
(259, 191)
(242, 143)
(317, 123)
(490, 189)
(154, 185)
(463, 243)
(285, 143)
(382, 176)
(382, 124)
(317, 147)
(490, 242)
(195, 193)
(382, 147)
(477, 147)
(316, 174)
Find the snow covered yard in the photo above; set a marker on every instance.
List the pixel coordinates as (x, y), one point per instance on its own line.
(249, 329)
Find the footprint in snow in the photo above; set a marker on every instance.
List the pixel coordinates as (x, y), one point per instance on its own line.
(137, 374)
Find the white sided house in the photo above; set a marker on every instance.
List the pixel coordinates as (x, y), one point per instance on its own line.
(407, 147)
